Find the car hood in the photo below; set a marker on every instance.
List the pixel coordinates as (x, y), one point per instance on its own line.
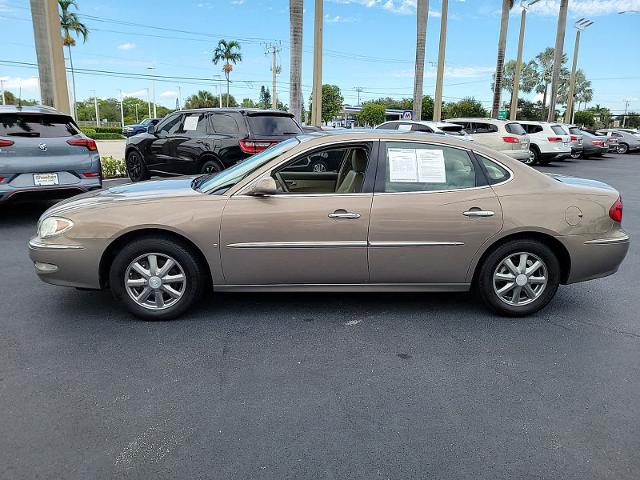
(582, 182)
(133, 192)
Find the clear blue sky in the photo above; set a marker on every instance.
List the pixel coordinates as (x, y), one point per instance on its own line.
(368, 44)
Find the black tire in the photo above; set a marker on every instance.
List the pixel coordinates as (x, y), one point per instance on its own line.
(194, 274)
(484, 284)
(622, 148)
(136, 168)
(210, 166)
(576, 155)
(532, 159)
(536, 155)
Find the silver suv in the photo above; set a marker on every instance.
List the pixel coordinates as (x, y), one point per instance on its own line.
(504, 136)
(43, 153)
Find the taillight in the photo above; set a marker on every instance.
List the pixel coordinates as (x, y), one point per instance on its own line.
(600, 143)
(574, 138)
(511, 139)
(1, 179)
(91, 174)
(554, 139)
(5, 143)
(615, 212)
(83, 142)
(251, 147)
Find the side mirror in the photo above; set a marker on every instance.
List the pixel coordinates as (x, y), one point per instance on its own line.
(151, 129)
(264, 187)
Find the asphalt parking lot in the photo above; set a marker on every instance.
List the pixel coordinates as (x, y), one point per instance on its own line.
(336, 386)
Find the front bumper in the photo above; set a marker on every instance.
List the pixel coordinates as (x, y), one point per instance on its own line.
(66, 263)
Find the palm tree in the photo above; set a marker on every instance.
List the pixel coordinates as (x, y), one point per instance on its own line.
(507, 5)
(295, 73)
(70, 24)
(202, 99)
(544, 66)
(422, 14)
(229, 52)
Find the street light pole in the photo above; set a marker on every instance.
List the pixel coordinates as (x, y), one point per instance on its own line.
(95, 103)
(316, 95)
(121, 108)
(516, 76)
(580, 25)
(179, 96)
(149, 101)
(437, 104)
(4, 99)
(153, 92)
(557, 59)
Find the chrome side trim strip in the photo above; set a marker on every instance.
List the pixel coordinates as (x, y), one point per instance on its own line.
(413, 244)
(608, 241)
(345, 244)
(342, 287)
(33, 243)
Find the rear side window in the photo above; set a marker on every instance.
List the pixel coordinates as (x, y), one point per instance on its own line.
(495, 172)
(515, 129)
(224, 124)
(484, 128)
(36, 125)
(419, 167)
(452, 129)
(416, 127)
(267, 125)
(558, 130)
(388, 126)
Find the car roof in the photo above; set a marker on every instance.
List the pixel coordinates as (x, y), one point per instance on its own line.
(29, 109)
(478, 119)
(241, 110)
(429, 123)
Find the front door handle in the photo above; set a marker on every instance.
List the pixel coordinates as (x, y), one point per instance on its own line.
(478, 213)
(344, 214)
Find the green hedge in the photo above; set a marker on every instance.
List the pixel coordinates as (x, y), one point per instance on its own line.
(113, 168)
(89, 132)
(106, 136)
(108, 130)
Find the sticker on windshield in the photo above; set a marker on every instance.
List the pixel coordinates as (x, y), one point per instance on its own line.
(191, 123)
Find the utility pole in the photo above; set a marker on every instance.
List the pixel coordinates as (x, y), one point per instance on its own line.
(4, 100)
(121, 108)
(516, 77)
(95, 103)
(274, 49)
(626, 107)
(557, 59)
(437, 103)
(51, 69)
(153, 91)
(137, 118)
(179, 97)
(580, 26)
(316, 99)
(358, 90)
(218, 89)
(149, 101)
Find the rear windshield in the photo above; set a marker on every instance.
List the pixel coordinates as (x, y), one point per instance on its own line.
(268, 125)
(558, 130)
(452, 129)
(36, 125)
(515, 128)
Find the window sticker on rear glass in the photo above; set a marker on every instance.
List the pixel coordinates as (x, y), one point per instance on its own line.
(404, 127)
(191, 123)
(416, 165)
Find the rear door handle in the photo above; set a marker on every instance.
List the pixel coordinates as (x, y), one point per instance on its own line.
(479, 213)
(344, 214)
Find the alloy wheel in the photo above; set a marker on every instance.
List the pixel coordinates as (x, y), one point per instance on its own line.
(134, 166)
(532, 158)
(155, 281)
(520, 279)
(622, 148)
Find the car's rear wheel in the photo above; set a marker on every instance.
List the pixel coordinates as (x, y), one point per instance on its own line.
(518, 278)
(622, 148)
(136, 169)
(156, 278)
(210, 166)
(576, 155)
(533, 156)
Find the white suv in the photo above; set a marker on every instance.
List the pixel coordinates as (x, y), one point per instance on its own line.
(504, 136)
(549, 141)
(440, 128)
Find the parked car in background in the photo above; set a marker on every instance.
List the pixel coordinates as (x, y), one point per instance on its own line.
(575, 142)
(130, 130)
(610, 142)
(405, 212)
(205, 140)
(592, 145)
(627, 142)
(549, 141)
(504, 136)
(440, 128)
(43, 154)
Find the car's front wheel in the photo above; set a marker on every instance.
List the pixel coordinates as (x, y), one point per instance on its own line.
(518, 278)
(156, 278)
(622, 148)
(136, 169)
(576, 155)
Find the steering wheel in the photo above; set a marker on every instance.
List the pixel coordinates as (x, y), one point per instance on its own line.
(281, 181)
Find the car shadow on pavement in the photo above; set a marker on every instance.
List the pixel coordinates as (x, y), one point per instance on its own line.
(22, 213)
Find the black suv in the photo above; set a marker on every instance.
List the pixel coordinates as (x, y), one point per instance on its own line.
(205, 140)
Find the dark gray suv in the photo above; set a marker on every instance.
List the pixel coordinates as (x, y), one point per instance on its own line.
(43, 154)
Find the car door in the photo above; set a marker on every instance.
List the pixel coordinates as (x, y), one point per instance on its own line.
(188, 143)
(432, 210)
(228, 128)
(309, 237)
(160, 160)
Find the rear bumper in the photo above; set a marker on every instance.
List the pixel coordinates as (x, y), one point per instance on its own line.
(521, 155)
(11, 191)
(595, 258)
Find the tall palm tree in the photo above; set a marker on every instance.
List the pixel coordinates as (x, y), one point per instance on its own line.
(422, 14)
(295, 72)
(543, 63)
(70, 24)
(507, 5)
(202, 99)
(229, 52)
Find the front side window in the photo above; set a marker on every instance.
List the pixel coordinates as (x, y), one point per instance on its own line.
(170, 125)
(36, 125)
(417, 167)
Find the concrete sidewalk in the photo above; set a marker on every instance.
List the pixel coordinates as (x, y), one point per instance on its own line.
(111, 148)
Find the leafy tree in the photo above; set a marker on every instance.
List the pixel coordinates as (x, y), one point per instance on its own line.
(633, 120)
(602, 115)
(70, 24)
(467, 107)
(201, 99)
(248, 103)
(229, 53)
(544, 71)
(528, 77)
(265, 97)
(528, 110)
(331, 102)
(372, 114)
(228, 100)
(427, 108)
(11, 99)
(584, 118)
(583, 93)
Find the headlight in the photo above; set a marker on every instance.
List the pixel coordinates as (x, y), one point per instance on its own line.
(53, 226)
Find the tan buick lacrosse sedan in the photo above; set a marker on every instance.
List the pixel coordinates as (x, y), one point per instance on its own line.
(391, 212)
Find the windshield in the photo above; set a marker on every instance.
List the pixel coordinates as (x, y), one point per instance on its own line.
(229, 177)
(145, 121)
(36, 125)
